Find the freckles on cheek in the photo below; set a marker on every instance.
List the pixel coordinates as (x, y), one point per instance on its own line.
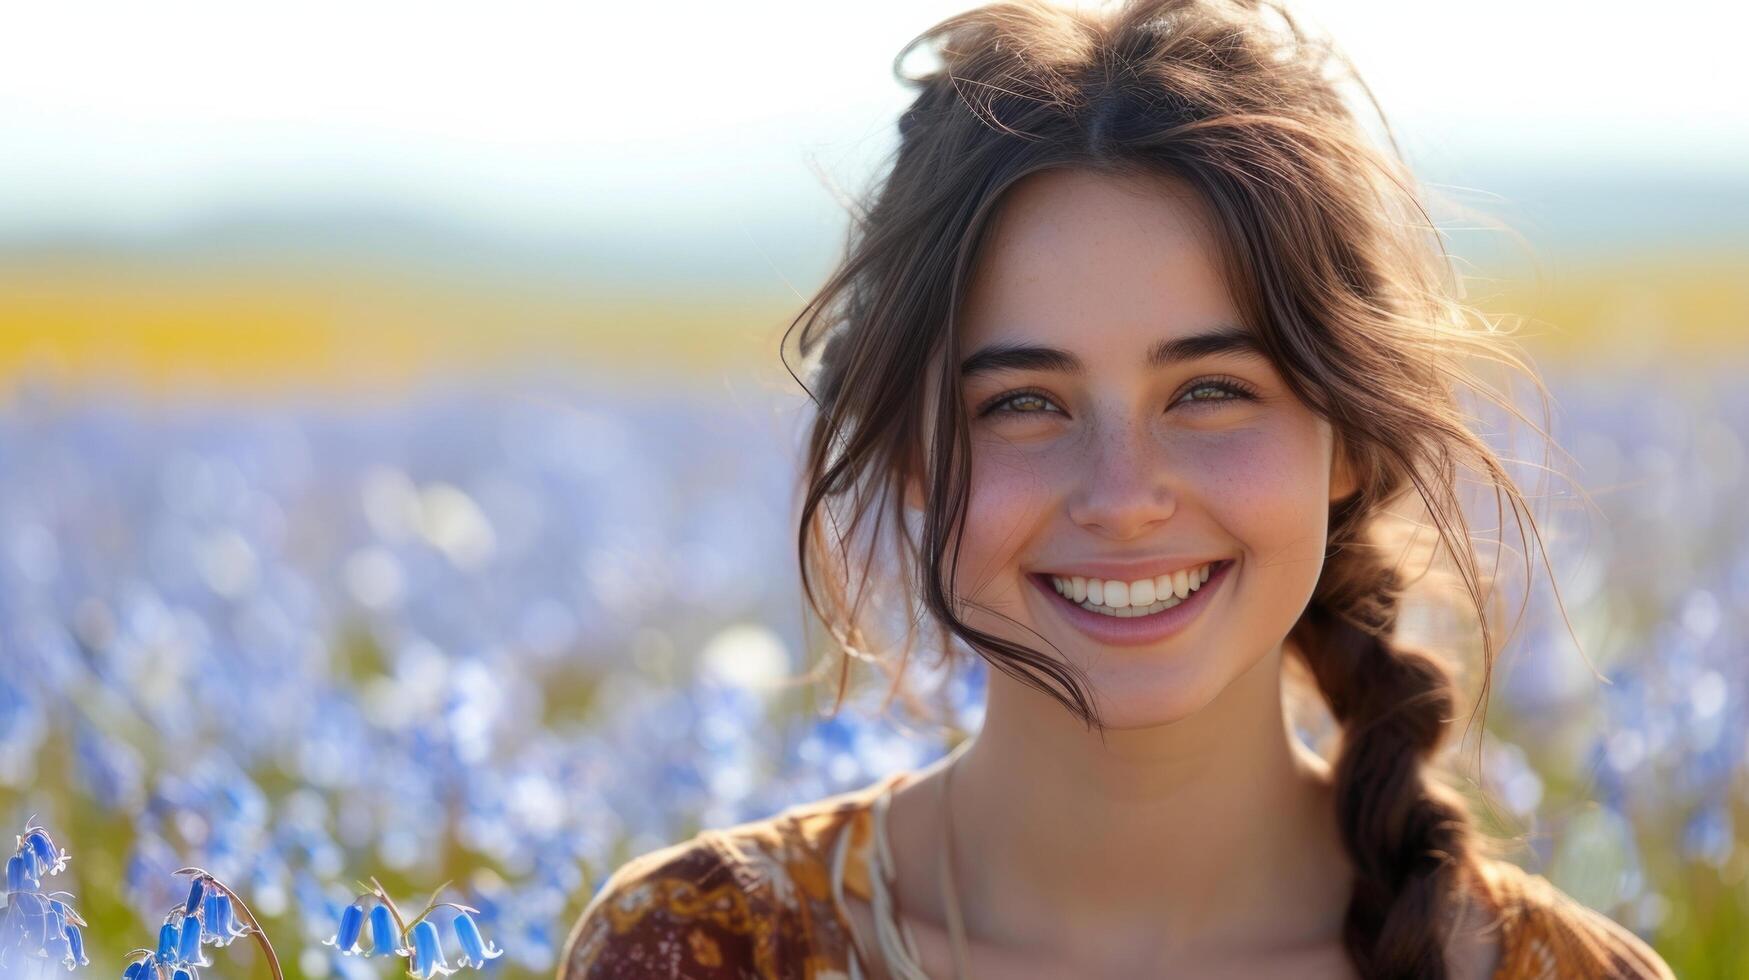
(1264, 486)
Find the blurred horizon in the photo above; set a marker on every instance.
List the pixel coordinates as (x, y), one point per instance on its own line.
(361, 292)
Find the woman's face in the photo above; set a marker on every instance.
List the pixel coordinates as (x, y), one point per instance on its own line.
(1090, 462)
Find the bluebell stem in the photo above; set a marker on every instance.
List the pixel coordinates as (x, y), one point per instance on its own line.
(38, 927)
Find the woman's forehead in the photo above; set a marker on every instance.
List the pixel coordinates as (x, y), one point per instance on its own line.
(1095, 258)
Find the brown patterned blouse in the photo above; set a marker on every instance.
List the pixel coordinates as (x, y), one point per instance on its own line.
(765, 900)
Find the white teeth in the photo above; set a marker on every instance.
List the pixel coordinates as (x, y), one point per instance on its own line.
(1130, 612)
(1138, 598)
(1117, 594)
(1142, 593)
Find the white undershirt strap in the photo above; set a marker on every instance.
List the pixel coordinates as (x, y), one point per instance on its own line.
(897, 943)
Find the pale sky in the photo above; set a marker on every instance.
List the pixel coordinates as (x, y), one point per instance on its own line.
(544, 115)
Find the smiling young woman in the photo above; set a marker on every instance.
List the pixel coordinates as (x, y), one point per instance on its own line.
(1139, 348)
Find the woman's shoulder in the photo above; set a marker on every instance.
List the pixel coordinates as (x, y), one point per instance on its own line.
(753, 899)
(1547, 933)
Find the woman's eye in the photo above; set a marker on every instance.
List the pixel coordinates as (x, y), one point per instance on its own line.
(1226, 391)
(1016, 403)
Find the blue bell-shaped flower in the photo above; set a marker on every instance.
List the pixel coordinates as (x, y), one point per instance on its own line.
(31, 920)
(60, 928)
(384, 940)
(47, 860)
(209, 917)
(475, 950)
(168, 941)
(195, 891)
(21, 875)
(218, 926)
(428, 958)
(351, 924)
(188, 950)
(75, 946)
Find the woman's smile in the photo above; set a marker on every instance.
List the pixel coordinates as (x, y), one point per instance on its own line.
(1131, 623)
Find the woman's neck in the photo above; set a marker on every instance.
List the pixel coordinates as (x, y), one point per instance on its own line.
(1180, 839)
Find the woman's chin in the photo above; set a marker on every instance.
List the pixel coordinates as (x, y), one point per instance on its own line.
(1147, 695)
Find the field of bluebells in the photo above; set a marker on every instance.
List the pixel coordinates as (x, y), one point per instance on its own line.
(387, 687)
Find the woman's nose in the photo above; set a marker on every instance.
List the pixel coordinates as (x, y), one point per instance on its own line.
(1124, 488)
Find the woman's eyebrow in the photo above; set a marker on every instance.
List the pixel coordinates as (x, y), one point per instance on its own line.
(1224, 339)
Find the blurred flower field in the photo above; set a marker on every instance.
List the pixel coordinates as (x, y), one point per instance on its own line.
(510, 634)
(505, 639)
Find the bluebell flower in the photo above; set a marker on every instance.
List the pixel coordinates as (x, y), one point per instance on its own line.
(421, 942)
(27, 923)
(182, 974)
(62, 921)
(209, 916)
(351, 924)
(43, 850)
(217, 926)
(188, 950)
(474, 947)
(36, 925)
(20, 875)
(179, 952)
(194, 895)
(75, 946)
(384, 938)
(428, 958)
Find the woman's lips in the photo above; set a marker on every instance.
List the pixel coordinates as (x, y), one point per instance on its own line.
(1135, 630)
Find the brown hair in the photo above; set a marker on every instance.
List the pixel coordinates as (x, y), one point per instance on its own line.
(1334, 260)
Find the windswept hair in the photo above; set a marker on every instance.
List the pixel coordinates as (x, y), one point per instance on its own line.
(1331, 257)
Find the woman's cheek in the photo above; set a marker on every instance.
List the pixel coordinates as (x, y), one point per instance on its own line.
(1268, 489)
(1010, 495)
